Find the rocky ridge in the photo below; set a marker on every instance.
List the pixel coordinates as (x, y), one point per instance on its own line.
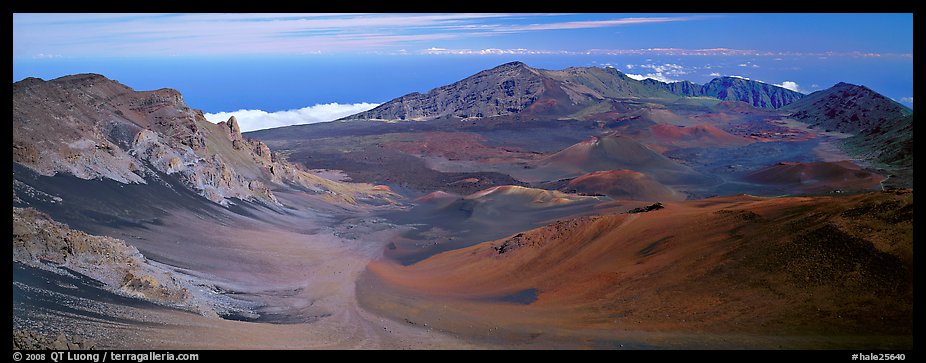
(95, 128)
(757, 94)
(31, 340)
(515, 88)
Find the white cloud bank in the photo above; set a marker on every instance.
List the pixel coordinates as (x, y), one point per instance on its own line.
(791, 86)
(907, 99)
(251, 120)
(667, 73)
(659, 76)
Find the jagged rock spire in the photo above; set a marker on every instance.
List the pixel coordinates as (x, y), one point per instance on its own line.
(233, 128)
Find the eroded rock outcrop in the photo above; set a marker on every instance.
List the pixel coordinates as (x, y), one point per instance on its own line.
(32, 340)
(41, 242)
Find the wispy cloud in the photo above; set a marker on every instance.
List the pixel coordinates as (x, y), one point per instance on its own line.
(907, 100)
(491, 51)
(250, 120)
(74, 35)
(192, 34)
(592, 24)
(46, 56)
(211, 34)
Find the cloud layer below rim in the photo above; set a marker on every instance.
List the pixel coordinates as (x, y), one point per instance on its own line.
(252, 120)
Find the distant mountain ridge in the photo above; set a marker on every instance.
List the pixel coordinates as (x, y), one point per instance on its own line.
(516, 88)
(681, 88)
(513, 88)
(606, 94)
(758, 94)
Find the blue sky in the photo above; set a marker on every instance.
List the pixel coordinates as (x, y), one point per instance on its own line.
(54, 35)
(277, 62)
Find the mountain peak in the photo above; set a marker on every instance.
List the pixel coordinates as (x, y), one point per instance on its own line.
(515, 88)
(82, 78)
(848, 108)
(514, 64)
(512, 87)
(30, 80)
(515, 68)
(27, 82)
(91, 83)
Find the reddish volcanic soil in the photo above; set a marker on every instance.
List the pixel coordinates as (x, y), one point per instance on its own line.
(722, 272)
(437, 196)
(695, 136)
(715, 118)
(553, 101)
(610, 152)
(818, 176)
(623, 184)
(737, 106)
(456, 146)
(663, 116)
(662, 137)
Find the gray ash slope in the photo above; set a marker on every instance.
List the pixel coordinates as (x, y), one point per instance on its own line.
(142, 172)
